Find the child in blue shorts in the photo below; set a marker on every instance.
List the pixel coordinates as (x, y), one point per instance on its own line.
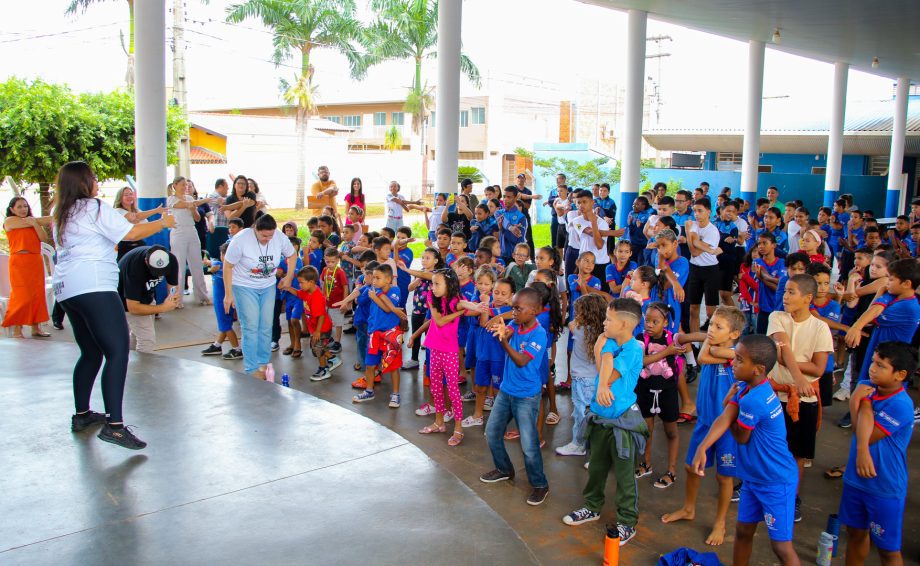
(478, 306)
(875, 481)
(224, 319)
(293, 305)
(716, 378)
(755, 418)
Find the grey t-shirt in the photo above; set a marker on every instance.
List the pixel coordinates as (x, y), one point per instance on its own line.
(581, 364)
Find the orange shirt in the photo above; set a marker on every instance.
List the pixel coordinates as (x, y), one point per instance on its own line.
(317, 188)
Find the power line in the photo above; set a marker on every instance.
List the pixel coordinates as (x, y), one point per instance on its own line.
(59, 33)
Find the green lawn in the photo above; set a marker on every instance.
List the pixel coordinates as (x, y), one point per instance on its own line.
(540, 237)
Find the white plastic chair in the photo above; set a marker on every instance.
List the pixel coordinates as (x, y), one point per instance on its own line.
(48, 262)
(4, 288)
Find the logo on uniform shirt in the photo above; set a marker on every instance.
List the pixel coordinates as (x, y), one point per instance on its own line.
(265, 267)
(536, 346)
(888, 419)
(728, 460)
(746, 415)
(152, 283)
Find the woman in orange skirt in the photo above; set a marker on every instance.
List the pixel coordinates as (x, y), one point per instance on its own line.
(27, 306)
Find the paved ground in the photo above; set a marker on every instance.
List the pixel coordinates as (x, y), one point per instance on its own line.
(541, 528)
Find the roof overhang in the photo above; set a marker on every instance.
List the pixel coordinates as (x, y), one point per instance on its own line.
(854, 143)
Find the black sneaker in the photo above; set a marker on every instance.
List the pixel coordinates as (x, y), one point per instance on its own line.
(495, 476)
(692, 373)
(335, 347)
(212, 350)
(798, 510)
(58, 325)
(79, 423)
(736, 493)
(845, 421)
(351, 330)
(233, 354)
(537, 496)
(122, 437)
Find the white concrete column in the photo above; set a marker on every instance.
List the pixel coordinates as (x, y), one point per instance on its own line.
(150, 102)
(835, 134)
(896, 160)
(447, 98)
(750, 156)
(635, 98)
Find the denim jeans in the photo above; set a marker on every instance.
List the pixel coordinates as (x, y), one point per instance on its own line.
(254, 308)
(583, 392)
(361, 338)
(524, 411)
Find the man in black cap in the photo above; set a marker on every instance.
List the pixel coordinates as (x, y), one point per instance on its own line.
(139, 273)
(525, 197)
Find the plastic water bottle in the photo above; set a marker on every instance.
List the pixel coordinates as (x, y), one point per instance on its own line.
(285, 382)
(833, 529)
(612, 546)
(825, 549)
(270, 373)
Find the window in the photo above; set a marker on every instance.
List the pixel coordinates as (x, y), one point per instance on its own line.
(336, 119)
(399, 118)
(353, 120)
(380, 118)
(464, 118)
(431, 120)
(478, 115)
(764, 168)
(818, 170)
(728, 161)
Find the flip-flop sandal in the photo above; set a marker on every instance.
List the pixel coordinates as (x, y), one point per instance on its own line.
(287, 351)
(564, 386)
(296, 353)
(552, 419)
(685, 418)
(665, 481)
(512, 435)
(455, 439)
(835, 473)
(432, 429)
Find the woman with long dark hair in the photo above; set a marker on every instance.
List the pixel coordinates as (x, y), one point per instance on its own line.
(355, 196)
(27, 305)
(241, 203)
(126, 205)
(86, 231)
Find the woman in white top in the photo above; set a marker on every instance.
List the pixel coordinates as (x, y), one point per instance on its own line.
(126, 205)
(250, 263)
(85, 280)
(183, 239)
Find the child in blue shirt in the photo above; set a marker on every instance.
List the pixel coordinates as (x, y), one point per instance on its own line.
(875, 481)
(483, 225)
(767, 269)
(754, 417)
(383, 316)
(616, 430)
(512, 224)
(315, 250)
(825, 308)
(635, 228)
(796, 263)
(620, 268)
(293, 305)
(224, 318)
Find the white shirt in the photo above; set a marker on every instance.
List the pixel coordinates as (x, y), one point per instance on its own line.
(570, 217)
(742, 226)
(434, 219)
(184, 218)
(586, 241)
(86, 257)
(709, 235)
(394, 209)
(254, 264)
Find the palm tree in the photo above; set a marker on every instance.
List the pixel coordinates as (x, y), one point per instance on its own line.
(299, 26)
(81, 6)
(408, 29)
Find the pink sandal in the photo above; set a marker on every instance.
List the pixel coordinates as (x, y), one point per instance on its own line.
(455, 439)
(512, 435)
(433, 428)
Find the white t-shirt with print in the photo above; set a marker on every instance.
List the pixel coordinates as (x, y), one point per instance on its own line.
(254, 264)
(86, 257)
(710, 236)
(434, 217)
(586, 241)
(394, 209)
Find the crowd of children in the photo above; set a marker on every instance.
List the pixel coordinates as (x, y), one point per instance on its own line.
(792, 305)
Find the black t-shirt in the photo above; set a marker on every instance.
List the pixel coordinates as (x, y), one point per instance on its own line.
(136, 283)
(524, 204)
(458, 222)
(249, 215)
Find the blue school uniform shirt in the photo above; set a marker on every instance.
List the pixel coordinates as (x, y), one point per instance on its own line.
(765, 458)
(295, 283)
(894, 415)
(511, 217)
(608, 207)
(681, 268)
(217, 282)
(782, 239)
(831, 311)
(485, 228)
(729, 253)
(897, 322)
(524, 381)
(378, 319)
(860, 234)
(715, 381)
(627, 359)
(780, 291)
(488, 347)
(634, 232)
(574, 293)
(363, 309)
(682, 219)
(766, 297)
(403, 278)
(616, 277)
(451, 258)
(317, 260)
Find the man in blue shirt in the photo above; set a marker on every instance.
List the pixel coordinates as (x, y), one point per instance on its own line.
(512, 224)
(755, 418)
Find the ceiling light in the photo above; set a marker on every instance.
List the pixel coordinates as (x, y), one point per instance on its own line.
(776, 36)
(875, 62)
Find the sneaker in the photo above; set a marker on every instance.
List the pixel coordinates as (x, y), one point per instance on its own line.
(471, 396)
(845, 421)
(58, 325)
(580, 517)
(917, 415)
(798, 510)
(448, 416)
(359, 383)
(275, 346)
(79, 423)
(394, 401)
(626, 533)
(425, 410)
(496, 476)
(537, 496)
(487, 406)
(587, 465)
(571, 449)
(842, 394)
(807, 463)
(363, 397)
(335, 347)
(233, 354)
(212, 350)
(333, 363)
(471, 421)
(122, 437)
(411, 364)
(736, 494)
(321, 374)
(350, 330)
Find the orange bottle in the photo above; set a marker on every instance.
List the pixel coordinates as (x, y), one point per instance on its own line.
(612, 546)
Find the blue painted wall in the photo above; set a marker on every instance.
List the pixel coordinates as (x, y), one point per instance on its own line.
(799, 163)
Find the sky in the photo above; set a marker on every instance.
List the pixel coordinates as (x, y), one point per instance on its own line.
(544, 45)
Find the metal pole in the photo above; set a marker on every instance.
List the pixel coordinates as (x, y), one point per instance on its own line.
(448, 95)
(635, 96)
(896, 159)
(150, 103)
(750, 156)
(835, 136)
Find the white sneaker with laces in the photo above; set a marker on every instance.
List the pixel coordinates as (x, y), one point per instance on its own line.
(471, 421)
(842, 394)
(571, 449)
(425, 410)
(411, 364)
(448, 416)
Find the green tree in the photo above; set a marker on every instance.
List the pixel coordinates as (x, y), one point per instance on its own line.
(582, 174)
(393, 139)
(298, 27)
(81, 6)
(43, 126)
(469, 172)
(408, 29)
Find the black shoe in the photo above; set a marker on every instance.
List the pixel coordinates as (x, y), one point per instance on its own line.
(212, 350)
(845, 421)
(58, 325)
(351, 330)
(496, 476)
(335, 347)
(692, 373)
(798, 510)
(538, 495)
(233, 354)
(122, 437)
(79, 423)
(736, 492)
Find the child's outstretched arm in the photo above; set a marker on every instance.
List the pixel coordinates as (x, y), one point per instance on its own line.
(689, 337)
(854, 334)
(422, 329)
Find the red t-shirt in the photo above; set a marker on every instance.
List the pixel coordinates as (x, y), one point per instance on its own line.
(314, 306)
(334, 284)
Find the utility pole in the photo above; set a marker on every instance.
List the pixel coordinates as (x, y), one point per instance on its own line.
(184, 167)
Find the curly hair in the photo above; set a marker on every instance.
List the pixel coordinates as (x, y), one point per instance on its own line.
(448, 303)
(590, 313)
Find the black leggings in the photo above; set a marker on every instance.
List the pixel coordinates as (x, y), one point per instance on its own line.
(417, 321)
(101, 330)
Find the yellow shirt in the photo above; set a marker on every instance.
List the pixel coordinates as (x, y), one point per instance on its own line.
(317, 188)
(805, 338)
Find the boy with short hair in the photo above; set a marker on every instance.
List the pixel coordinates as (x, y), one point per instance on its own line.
(464, 267)
(442, 242)
(234, 225)
(318, 324)
(875, 481)
(315, 256)
(512, 224)
(716, 378)
(481, 226)
(335, 287)
(383, 328)
(618, 269)
(224, 318)
(457, 248)
(796, 264)
(752, 414)
(521, 268)
(616, 431)
(804, 343)
(825, 308)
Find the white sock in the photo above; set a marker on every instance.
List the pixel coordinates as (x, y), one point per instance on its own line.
(691, 359)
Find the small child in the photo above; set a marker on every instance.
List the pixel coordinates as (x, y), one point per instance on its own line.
(420, 287)
(457, 248)
(442, 242)
(812, 245)
(362, 313)
(796, 264)
(617, 270)
(234, 225)
(825, 308)
(642, 288)
(292, 304)
(482, 226)
(335, 287)
(876, 477)
(498, 264)
(767, 269)
(433, 216)
(485, 283)
(490, 357)
(615, 429)
(319, 326)
(752, 415)
(585, 328)
(383, 247)
(521, 268)
(383, 321)
(224, 319)
(315, 246)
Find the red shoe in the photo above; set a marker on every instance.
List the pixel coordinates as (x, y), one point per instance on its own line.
(359, 383)
(462, 379)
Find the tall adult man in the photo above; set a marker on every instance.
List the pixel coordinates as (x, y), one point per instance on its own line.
(526, 196)
(551, 203)
(324, 190)
(139, 273)
(217, 220)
